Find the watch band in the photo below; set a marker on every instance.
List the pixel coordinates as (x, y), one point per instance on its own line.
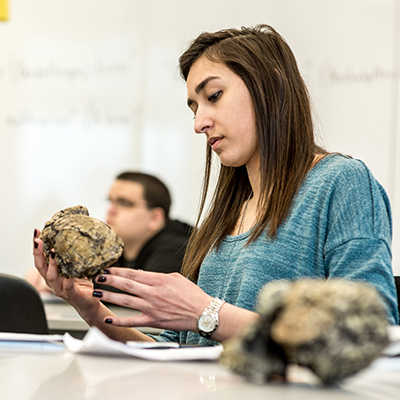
(211, 311)
(214, 307)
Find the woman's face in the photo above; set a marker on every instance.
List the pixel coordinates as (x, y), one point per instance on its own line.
(224, 112)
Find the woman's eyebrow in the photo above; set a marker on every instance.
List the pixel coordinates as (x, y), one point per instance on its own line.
(200, 87)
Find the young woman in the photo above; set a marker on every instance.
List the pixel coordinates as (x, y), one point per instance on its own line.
(283, 208)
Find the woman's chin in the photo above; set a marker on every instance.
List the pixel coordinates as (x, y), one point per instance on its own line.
(231, 163)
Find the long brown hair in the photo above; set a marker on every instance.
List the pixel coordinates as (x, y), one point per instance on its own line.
(267, 66)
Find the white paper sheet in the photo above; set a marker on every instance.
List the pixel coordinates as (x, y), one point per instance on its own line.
(29, 337)
(31, 342)
(95, 342)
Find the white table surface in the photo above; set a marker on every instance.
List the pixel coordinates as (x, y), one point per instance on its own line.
(61, 375)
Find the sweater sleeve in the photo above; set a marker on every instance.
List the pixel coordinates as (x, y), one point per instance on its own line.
(168, 336)
(358, 247)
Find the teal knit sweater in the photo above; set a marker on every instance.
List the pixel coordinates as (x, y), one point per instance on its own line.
(339, 227)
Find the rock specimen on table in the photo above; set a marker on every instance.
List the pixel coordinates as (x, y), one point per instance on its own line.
(84, 246)
(333, 327)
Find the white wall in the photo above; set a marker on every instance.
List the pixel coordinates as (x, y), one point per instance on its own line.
(90, 88)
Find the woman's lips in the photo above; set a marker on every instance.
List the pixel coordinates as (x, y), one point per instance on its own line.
(214, 142)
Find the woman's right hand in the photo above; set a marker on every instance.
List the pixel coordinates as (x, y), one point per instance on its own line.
(78, 292)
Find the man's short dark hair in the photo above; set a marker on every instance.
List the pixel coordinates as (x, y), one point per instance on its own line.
(155, 192)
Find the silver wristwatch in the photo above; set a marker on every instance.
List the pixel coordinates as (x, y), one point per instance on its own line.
(207, 323)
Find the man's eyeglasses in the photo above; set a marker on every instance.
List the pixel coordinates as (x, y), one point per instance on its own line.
(124, 203)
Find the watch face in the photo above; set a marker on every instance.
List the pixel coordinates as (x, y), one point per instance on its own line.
(206, 323)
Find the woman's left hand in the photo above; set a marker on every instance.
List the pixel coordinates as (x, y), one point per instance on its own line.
(167, 301)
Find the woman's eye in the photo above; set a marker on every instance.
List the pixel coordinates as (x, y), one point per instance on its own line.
(215, 96)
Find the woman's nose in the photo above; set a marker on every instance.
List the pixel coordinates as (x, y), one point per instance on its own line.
(202, 122)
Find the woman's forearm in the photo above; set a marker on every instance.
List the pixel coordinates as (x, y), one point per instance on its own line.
(123, 334)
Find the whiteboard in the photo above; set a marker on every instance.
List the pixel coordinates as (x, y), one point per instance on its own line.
(90, 88)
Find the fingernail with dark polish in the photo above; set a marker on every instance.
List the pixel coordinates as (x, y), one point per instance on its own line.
(35, 245)
(96, 293)
(53, 255)
(108, 321)
(101, 278)
(35, 233)
(106, 271)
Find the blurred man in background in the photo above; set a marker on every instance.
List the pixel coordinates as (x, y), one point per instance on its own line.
(139, 214)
